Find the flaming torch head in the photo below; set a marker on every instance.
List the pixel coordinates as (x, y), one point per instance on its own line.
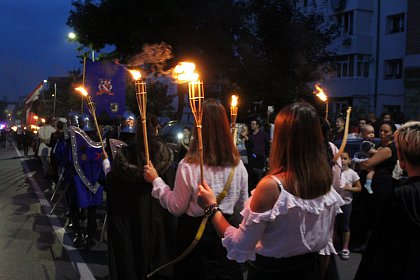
(136, 74)
(234, 102)
(234, 109)
(184, 72)
(82, 90)
(141, 93)
(319, 92)
(89, 102)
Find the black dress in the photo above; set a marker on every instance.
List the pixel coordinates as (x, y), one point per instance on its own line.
(393, 251)
(207, 261)
(141, 234)
(382, 185)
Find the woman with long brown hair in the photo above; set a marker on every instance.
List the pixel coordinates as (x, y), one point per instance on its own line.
(291, 213)
(221, 160)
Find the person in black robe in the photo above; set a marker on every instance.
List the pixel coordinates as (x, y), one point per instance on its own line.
(393, 250)
(141, 234)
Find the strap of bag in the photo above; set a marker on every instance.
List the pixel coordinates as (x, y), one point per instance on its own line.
(226, 188)
(201, 228)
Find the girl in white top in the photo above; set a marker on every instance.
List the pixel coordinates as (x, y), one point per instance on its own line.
(352, 185)
(208, 260)
(291, 213)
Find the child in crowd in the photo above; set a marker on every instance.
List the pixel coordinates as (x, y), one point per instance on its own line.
(366, 150)
(351, 186)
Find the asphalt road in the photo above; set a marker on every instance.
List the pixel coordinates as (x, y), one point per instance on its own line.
(36, 245)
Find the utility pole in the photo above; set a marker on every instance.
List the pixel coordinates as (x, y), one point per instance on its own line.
(55, 97)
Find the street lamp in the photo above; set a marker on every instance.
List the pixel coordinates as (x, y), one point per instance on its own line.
(73, 37)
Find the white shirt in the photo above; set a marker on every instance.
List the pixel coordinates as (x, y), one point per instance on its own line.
(44, 136)
(183, 198)
(294, 226)
(338, 184)
(106, 166)
(350, 177)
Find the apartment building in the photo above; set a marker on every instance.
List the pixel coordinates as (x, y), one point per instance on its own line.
(377, 55)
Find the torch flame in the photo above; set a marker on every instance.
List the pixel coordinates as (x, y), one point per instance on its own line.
(234, 102)
(136, 74)
(319, 92)
(185, 72)
(82, 90)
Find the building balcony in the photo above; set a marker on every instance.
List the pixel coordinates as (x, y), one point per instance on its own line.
(352, 44)
(349, 87)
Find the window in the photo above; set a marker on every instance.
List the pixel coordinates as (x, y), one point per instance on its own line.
(339, 107)
(393, 69)
(344, 66)
(395, 23)
(345, 22)
(362, 66)
(392, 109)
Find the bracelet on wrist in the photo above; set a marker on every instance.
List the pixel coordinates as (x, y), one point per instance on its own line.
(211, 210)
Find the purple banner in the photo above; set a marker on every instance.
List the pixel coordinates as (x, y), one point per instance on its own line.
(106, 84)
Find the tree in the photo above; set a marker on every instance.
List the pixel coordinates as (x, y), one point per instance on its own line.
(264, 49)
(74, 101)
(283, 51)
(197, 30)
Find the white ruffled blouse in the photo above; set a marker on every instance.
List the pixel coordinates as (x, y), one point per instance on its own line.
(294, 226)
(183, 198)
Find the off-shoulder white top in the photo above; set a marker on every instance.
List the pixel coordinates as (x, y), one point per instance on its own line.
(294, 226)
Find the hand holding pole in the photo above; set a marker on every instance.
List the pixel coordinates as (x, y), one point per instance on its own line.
(346, 134)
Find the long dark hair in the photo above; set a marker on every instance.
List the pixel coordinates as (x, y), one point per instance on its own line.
(298, 152)
(218, 147)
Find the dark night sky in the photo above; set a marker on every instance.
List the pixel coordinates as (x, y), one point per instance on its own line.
(33, 44)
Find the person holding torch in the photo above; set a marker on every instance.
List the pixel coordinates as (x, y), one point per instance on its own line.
(291, 213)
(222, 168)
(141, 233)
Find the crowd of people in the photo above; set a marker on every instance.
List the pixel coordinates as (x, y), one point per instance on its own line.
(282, 212)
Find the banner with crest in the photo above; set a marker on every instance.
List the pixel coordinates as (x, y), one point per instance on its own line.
(106, 84)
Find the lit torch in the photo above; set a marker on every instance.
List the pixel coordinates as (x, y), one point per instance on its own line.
(141, 96)
(319, 92)
(91, 107)
(185, 73)
(233, 115)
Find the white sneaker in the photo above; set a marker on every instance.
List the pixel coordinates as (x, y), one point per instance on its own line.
(345, 255)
